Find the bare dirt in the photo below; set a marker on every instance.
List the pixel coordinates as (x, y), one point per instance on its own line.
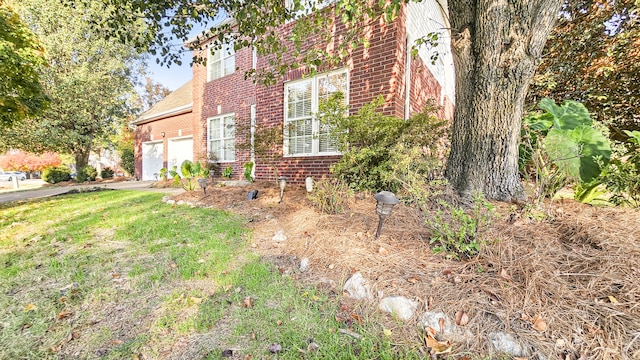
(566, 285)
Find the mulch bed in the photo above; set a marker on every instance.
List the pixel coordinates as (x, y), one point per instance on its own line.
(567, 286)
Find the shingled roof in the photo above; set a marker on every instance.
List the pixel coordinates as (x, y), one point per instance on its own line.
(178, 102)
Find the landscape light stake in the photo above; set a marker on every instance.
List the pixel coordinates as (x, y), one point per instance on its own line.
(386, 201)
(203, 185)
(282, 182)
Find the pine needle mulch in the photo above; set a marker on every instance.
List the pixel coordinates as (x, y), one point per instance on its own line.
(567, 286)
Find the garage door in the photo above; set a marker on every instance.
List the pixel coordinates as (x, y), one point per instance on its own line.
(179, 150)
(152, 160)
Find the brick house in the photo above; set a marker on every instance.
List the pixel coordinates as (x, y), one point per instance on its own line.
(223, 101)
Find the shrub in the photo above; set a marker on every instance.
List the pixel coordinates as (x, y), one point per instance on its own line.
(455, 231)
(228, 172)
(371, 143)
(560, 146)
(127, 160)
(87, 173)
(248, 169)
(191, 171)
(330, 196)
(106, 173)
(54, 175)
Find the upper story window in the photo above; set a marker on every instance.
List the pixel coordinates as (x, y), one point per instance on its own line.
(304, 134)
(221, 62)
(222, 137)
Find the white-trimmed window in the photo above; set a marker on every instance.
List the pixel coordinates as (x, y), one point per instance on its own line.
(304, 134)
(222, 137)
(221, 62)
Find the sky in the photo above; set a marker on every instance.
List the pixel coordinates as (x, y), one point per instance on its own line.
(171, 77)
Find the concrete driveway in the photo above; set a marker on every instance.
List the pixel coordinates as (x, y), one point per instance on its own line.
(27, 194)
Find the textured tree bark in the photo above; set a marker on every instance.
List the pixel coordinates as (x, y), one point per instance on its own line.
(496, 47)
(81, 155)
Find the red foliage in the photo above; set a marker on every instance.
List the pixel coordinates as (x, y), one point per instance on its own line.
(19, 160)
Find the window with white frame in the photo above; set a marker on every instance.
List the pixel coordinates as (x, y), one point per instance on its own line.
(304, 134)
(221, 62)
(222, 137)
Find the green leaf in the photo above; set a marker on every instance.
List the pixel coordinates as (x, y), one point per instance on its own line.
(574, 151)
(569, 115)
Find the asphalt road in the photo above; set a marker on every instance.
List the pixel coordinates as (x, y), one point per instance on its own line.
(28, 194)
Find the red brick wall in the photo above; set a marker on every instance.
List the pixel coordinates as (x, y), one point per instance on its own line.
(375, 70)
(172, 127)
(232, 94)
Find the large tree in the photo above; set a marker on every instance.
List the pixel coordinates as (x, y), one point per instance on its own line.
(88, 79)
(21, 57)
(593, 56)
(496, 46)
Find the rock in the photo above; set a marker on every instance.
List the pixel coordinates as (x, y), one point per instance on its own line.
(507, 343)
(279, 236)
(449, 330)
(180, 202)
(358, 288)
(399, 306)
(171, 202)
(304, 265)
(165, 198)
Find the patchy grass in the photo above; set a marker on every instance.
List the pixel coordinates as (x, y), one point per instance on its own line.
(119, 274)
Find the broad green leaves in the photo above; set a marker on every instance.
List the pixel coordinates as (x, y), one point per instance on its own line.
(571, 142)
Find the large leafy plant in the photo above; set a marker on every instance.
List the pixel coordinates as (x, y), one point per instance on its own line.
(561, 145)
(191, 171)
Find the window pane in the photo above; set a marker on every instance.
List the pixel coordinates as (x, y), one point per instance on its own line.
(230, 151)
(214, 129)
(230, 65)
(215, 70)
(229, 127)
(216, 148)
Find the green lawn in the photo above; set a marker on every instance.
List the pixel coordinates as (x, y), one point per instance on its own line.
(121, 275)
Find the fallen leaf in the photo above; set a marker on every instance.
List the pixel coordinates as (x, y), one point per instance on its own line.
(55, 349)
(382, 251)
(275, 348)
(248, 357)
(115, 275)
(504, 274)
(279, 322)
(173, 265)
(441, 324)
(436, 346)
(539, 324)
(331, 266)
(613, 300)
(62, 299)
(136, 357)
(64, 314)
(387, 332)
(313, 347)
(412, 280)
(462, 318)
(26, 326)
(74, 335)
(357, 318)
(247, 302)
(116, 342)
(253, 336)
(30, 307)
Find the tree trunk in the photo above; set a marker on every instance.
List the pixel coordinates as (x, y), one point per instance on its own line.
(496, 47)
(81, 155)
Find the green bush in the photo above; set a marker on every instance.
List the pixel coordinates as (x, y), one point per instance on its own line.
(330, 196)
(191, 171)
(127, 160)
(455, 231)
(228, 172)
(87, 173)
(371, 143)
(54, 175)
(106, 173)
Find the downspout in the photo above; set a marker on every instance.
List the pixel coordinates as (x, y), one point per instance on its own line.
(407, 79)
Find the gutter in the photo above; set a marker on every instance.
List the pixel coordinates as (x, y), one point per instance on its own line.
(171, 112)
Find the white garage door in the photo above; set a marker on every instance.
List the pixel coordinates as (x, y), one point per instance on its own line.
(179, 150)
(152, 160)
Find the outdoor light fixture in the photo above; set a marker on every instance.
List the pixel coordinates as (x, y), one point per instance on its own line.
(162, 134)
(203, 185)
(282, 182)
(386, 201)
